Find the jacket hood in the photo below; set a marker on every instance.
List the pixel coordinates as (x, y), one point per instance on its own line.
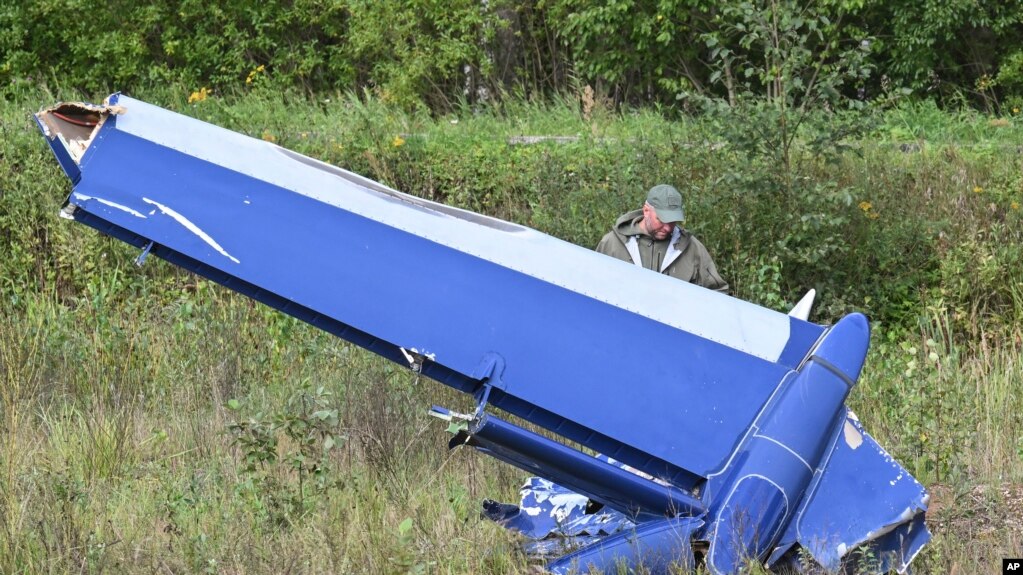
(628, 225)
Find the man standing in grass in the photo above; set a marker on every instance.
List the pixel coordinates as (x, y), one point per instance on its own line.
(653, 238)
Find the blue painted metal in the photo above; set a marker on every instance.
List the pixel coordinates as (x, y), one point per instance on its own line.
(661, 546)
(730, 417)
(757, 492)
(626, 492)
(833, 518)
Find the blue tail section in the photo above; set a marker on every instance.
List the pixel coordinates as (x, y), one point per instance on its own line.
(862, 498)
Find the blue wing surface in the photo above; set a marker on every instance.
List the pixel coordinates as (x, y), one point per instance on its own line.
(670, 372)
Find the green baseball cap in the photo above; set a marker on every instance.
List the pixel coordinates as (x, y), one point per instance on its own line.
(667, 203)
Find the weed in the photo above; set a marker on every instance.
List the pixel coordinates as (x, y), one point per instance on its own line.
(286, 455)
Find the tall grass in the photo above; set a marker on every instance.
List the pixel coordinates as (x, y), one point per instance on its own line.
(141, 474)
(123, 389)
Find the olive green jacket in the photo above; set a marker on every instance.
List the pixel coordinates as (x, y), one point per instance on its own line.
(681, 256)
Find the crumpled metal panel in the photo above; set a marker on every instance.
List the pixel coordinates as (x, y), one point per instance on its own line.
(831, 492)
(659, 546)
(862, 499)
(561, 527)
(548, 510)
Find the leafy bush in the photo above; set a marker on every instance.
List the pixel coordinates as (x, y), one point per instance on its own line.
(406, 52)
(286, 455)
(437, 54)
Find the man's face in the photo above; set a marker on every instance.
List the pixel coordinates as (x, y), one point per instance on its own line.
(655, 227)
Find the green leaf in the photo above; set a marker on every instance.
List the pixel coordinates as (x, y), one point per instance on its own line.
(456, 426)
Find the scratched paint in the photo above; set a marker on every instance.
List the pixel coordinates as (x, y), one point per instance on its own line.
(108, 203)
(192, 228)
(852, 437)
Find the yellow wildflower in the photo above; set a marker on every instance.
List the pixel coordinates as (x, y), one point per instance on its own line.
(977, 189)
(1015, 110)
(254, 72)
(1014, 205)
(199, 95)
(868, 209)
(268, 136)
(398, 142)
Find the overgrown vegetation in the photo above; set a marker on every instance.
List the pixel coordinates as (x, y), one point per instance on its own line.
(154, 422)
(436, 54)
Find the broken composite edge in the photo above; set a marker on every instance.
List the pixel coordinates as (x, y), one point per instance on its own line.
(747, 452)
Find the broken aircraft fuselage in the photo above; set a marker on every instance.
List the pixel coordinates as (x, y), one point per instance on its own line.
(736, 445)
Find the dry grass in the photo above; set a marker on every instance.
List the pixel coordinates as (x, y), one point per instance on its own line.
(116, 384)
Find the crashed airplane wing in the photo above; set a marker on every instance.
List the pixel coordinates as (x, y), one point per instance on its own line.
(729, 416)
